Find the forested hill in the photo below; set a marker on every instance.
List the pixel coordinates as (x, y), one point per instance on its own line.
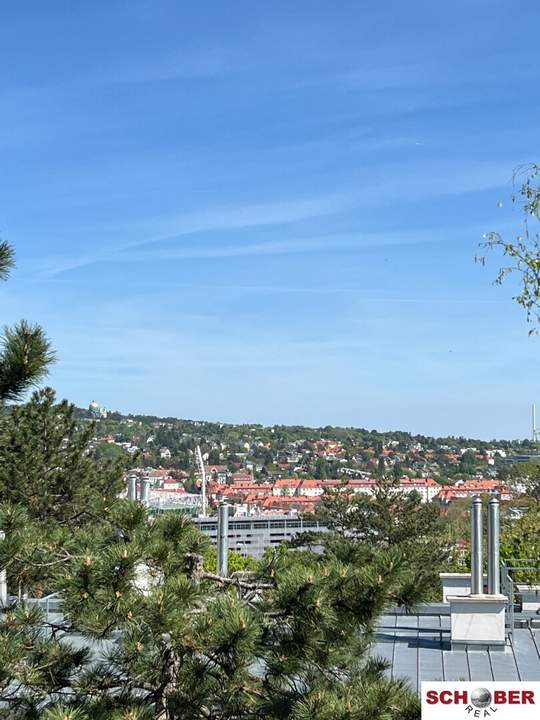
(356, 436)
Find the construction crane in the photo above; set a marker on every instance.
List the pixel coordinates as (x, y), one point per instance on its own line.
(200, 463)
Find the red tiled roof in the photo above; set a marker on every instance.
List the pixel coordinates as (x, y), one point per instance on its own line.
(287, 482)
(306, 504)
(251, 498)
(471, 487)
(484, 484)
(418, 482)
(239, 489)
(159, 472)
(249, 484)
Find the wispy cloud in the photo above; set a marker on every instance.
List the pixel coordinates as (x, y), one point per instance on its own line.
(364, 296)
(250, 215)
(386, 188)
(213, 219)
(288, 246)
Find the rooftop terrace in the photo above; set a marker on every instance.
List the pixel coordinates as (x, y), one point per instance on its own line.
(417, 646)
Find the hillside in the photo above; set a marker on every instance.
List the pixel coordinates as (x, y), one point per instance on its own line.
(283, 450)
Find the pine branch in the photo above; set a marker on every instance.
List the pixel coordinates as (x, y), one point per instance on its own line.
(24, 360)
(237, 582)
(7, 260)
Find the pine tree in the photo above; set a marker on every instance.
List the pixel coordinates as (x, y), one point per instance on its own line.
(46, 463)
(363, 525)
(25, 353)
(50, 486)
(148, 630)
(161, 637)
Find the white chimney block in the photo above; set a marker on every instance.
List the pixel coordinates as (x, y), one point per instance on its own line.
(456, 584)
(478, 620)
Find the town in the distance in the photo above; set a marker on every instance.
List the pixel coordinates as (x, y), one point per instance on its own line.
(273, 478)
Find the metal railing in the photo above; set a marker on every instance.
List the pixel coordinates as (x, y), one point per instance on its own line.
(508, 589)
(510, 584)
(49, 604)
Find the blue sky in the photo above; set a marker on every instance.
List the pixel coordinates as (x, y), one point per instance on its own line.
(269, 212)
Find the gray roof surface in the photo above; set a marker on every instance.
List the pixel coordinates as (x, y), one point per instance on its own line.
(417, 646)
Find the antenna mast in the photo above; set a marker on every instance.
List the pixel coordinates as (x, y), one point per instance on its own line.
(202, 472)
(535, 431)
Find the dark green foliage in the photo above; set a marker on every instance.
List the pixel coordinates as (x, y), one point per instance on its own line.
(184, 645)
(159, 635)
(7, 259)
(321, 469)
(24, 360)
(46, 465)
(526, 476)
(34, 663)
(180, 643)
(25, 353)
(467, 464)
(520, 546)
(108, 451)
(408, 532)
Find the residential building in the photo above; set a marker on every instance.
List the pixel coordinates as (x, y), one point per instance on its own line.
(218, 473)
(286, 486)
(470, 488)
(310, 488)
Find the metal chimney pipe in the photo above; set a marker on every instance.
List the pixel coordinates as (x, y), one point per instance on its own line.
(3, 580)
(145, 492)
(477, 574)
(494, 529)
(132, 487)
(223, 539)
